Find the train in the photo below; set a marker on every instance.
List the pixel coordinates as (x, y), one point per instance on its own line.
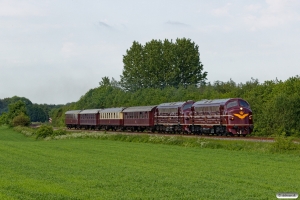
(223, 117)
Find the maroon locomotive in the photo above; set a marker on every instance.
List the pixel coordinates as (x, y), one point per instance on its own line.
(222, 117)
(173, 117)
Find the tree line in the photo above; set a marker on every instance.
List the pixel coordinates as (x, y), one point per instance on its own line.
(275, 104)
(25, 109)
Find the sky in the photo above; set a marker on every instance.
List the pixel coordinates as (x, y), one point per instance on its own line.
(54, 51)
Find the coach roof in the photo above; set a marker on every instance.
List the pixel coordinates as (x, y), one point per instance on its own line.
(112, 110)
(90, 111)
(139, 109)
(72, 112)
(173, 104)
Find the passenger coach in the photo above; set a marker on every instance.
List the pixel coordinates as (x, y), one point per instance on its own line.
(112, 118)
(72, 119)
(89, 119)
(139, 118)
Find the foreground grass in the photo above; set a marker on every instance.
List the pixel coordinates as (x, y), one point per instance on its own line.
(106, 169)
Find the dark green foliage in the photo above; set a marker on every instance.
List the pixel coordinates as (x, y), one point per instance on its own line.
(36, 112)
(4, 119)
(4, 103)
(160, 64)
(17, 115)
(44, 131)
(21, 120)
(16, 109)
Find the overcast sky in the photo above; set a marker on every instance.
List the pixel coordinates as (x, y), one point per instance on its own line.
(54, 51)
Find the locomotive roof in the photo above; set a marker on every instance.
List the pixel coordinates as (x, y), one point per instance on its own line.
(72, 112)
(90, 111)
(172, 104)
(210, 102)
(139, 109)
(109, 110)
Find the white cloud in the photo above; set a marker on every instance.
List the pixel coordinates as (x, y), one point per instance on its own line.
(221, 11)
(13, 8)
(70, 49)
(277, 13)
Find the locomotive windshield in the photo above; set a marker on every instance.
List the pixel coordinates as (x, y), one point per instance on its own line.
(243, 104)
(239, 102)
(232, 104)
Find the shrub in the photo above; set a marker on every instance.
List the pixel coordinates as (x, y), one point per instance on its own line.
(44, 131)
(283, 143)
(3, 119)
(59, 132)
(21, 120)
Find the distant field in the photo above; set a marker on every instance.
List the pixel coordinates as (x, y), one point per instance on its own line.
(104, 169)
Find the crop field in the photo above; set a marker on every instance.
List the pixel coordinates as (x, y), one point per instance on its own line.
(105, 169)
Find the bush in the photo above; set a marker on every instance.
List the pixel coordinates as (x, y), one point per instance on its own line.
(59, 132)
(44, 131)
(21, 120)
(3, 119)
(283, 143)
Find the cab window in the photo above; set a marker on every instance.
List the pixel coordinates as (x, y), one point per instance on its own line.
(232, 104)
(243, 104)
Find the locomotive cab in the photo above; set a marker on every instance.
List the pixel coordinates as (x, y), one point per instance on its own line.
(238, 115)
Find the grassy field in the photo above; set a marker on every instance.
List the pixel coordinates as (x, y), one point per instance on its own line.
(105, 169)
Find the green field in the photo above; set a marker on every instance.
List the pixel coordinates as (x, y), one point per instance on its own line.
(105, 169)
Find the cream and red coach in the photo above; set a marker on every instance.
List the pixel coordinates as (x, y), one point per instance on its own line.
(112, 118)
(222, 117)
